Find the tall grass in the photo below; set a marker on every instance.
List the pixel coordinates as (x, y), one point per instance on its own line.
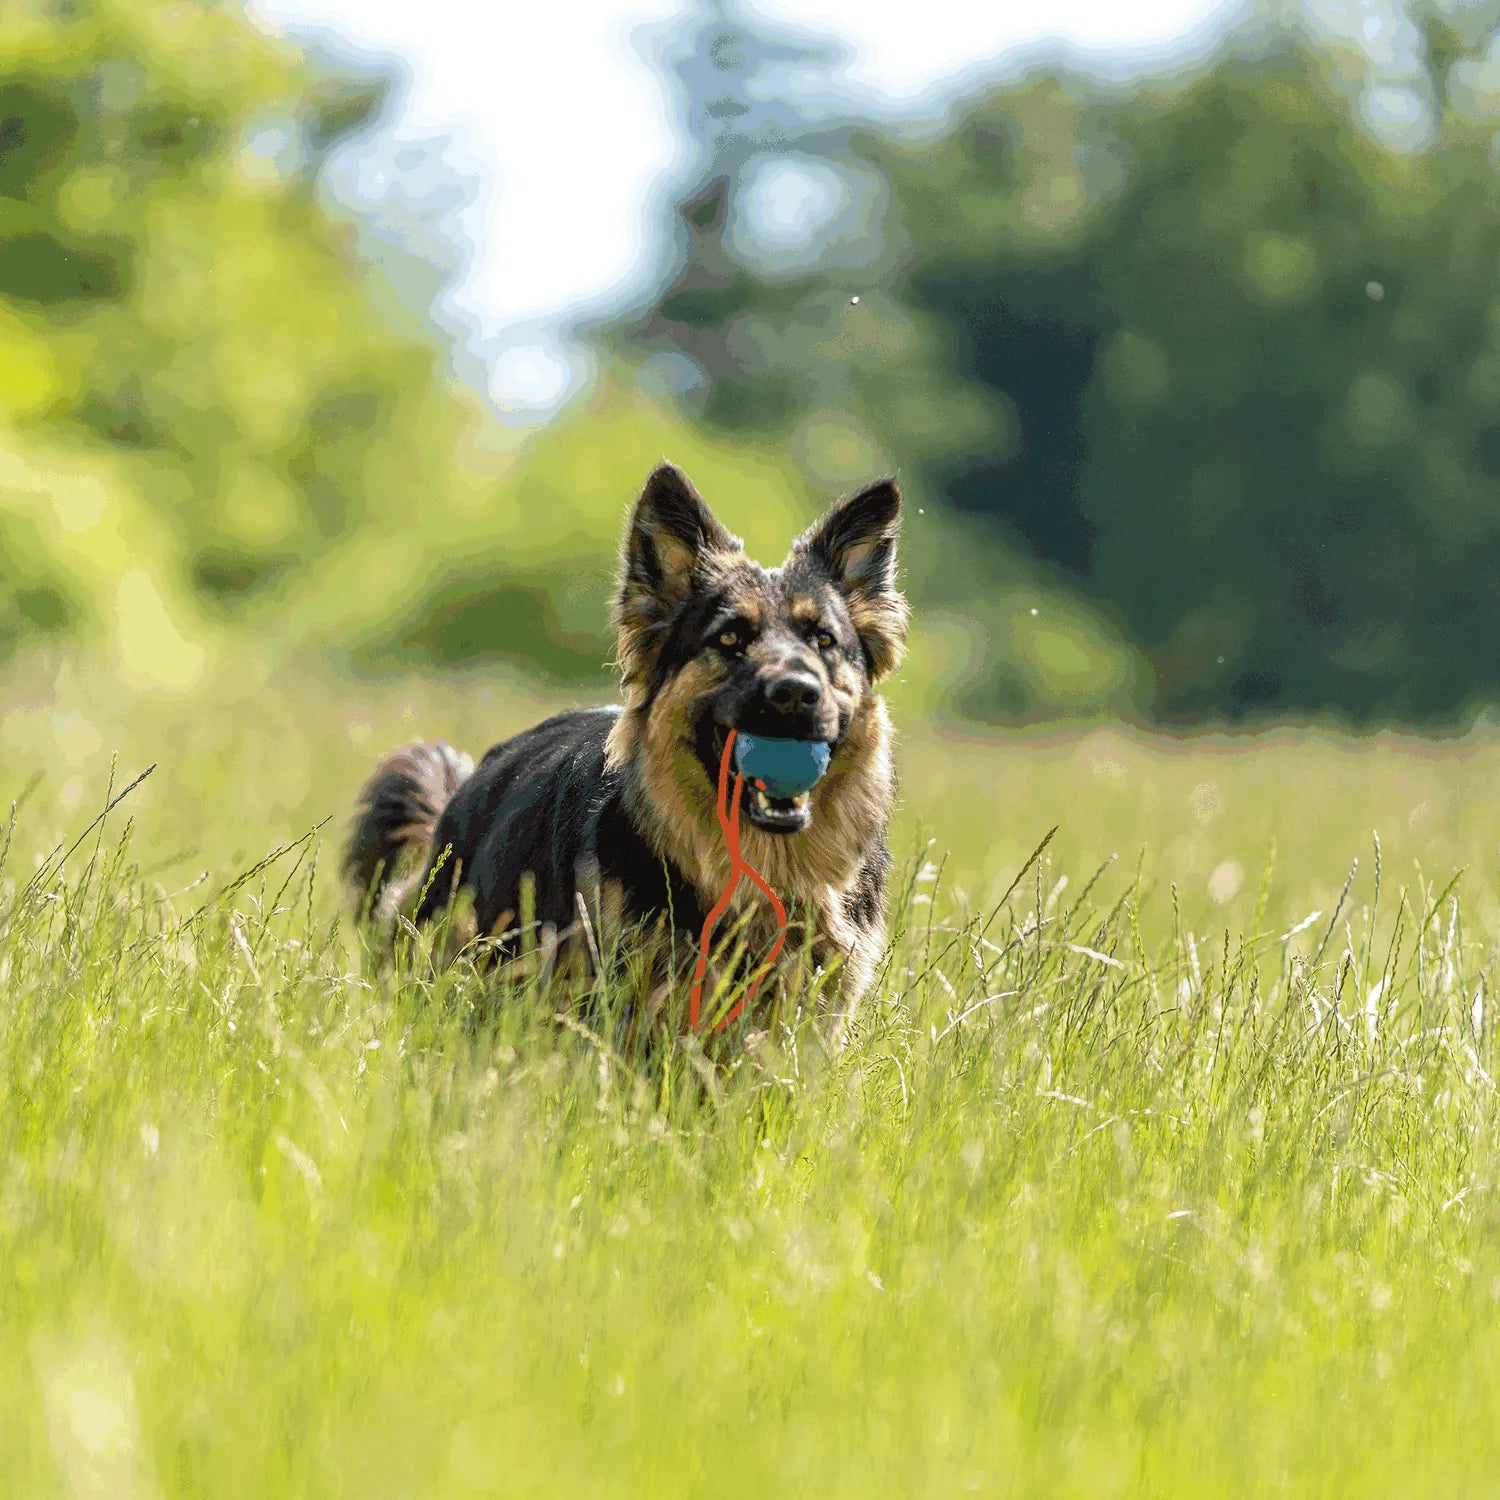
(1119, 1189)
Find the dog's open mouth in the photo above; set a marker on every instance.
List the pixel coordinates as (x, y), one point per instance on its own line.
(777, 814)
(761, 805)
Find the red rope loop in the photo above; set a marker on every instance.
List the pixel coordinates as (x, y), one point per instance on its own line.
(729, 821)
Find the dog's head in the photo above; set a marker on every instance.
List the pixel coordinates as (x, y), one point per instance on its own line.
(710, 641)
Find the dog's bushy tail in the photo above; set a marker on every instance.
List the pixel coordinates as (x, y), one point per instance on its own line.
(398, 813)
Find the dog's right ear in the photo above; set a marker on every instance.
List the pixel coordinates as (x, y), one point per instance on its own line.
(672, 535)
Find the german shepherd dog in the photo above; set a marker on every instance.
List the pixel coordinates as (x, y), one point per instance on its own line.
(611, 812)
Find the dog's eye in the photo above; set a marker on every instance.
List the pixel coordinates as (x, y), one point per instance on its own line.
(824, 639)
(730, 639)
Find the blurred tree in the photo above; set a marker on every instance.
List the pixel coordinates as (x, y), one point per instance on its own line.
(1204, 350)
(201, 391)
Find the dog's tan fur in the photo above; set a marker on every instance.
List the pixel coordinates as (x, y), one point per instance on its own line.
(613, 820)
(675, 803)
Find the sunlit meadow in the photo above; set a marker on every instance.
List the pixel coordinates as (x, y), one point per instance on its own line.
(1161, 1163)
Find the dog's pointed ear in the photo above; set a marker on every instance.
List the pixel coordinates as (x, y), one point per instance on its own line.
(855, 543)
(671, 532)
(672, 535)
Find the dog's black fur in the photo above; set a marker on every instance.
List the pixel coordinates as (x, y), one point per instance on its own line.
(610, 812)
(547, 803)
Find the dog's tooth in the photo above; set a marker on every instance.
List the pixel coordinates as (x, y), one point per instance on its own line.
(801, 800)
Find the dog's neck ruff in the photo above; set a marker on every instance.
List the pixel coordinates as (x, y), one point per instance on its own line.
(729, 821)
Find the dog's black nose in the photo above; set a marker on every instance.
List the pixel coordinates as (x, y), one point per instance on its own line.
(796, 690)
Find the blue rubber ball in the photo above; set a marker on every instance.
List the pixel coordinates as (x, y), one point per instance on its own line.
(786, 768)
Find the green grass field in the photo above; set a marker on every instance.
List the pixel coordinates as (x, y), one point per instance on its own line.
(1168, 1173)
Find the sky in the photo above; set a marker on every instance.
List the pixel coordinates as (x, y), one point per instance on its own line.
(551, 105)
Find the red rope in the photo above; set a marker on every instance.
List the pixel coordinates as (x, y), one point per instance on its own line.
(729, 821)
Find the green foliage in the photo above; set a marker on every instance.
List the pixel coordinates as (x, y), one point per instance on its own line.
(1216, 360)
(522, 564)
(1292, 423)
(1124, 1187)
(198, 394)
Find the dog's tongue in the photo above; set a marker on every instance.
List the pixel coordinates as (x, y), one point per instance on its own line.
(785, 768)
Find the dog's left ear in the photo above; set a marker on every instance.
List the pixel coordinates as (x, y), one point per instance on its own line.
(856, 545)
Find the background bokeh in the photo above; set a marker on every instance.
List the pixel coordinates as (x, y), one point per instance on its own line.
(1192, 377)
